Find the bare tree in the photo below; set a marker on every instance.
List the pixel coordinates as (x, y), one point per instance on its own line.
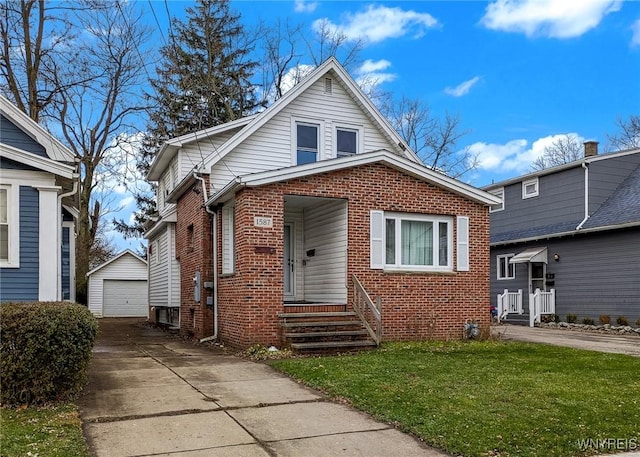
(565, 149)
(433, 139)
(93, 114)
(628, 136)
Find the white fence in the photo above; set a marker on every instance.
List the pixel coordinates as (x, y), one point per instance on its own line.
(541, 303)
(509, 302)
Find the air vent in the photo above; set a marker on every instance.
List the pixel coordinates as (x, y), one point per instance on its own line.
(327, 85)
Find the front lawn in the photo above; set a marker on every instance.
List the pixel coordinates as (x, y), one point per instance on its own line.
(43, 432)
(490, 398)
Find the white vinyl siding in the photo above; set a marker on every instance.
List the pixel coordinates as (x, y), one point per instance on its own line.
(270, 147)
(228, 235)
(192, 155)
(325, 232)
(164, 270)
(126, 268)
(462, 230)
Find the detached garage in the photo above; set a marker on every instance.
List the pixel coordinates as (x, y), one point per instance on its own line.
(118, 287)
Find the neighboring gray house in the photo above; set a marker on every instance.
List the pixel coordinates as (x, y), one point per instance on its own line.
(37, 213)
(573, 229)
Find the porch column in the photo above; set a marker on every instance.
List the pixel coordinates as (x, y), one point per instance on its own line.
(49, 247)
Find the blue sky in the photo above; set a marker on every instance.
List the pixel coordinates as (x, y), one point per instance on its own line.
(518, 73)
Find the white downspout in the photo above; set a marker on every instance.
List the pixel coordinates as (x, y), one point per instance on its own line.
(214, 231)
(75, 178)
(586, 195)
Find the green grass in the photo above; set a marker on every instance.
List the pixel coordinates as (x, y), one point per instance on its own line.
(43, 432)
(489, 398)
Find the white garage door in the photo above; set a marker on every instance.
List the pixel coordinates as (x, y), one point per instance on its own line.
(124, 298)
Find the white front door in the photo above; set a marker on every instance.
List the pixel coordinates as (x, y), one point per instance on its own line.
(289, 262)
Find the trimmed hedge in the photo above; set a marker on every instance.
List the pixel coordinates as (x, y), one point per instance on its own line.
(44, 351)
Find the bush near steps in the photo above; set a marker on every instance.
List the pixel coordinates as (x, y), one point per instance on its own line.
(45, 349)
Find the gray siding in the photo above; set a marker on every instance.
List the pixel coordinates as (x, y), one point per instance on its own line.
(21, 284)
(606, 175)
(13, 136)
(597, 274)
(560, 200)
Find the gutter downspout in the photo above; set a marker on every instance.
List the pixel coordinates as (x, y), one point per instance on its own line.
(586, 195)
(74, 190)
(215, 260)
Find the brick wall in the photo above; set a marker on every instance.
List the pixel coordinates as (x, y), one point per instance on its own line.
(414, 305)
(194, 251)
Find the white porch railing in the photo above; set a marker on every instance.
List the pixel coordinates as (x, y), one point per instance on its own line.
(509, 302)
(541, 303)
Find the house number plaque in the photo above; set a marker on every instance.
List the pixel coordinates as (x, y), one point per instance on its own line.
(263, 222)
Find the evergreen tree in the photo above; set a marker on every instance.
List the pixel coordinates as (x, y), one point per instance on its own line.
(203, 80)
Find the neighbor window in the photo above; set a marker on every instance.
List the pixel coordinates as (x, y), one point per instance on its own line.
(306, 143)
(418, 242)
(228, 235)
(505, 269)
(4, 225)
(499, 206)
(346, 142)
(530, 188)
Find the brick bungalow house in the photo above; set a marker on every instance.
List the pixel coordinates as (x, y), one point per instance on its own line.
(314, 216)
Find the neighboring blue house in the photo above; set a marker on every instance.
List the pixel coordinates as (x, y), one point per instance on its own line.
(37, 213)
(573, 229)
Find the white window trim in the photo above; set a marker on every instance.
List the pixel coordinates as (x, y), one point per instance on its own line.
(399, 217)
(13, 218)
(228, 238)
(528, 182)
(349, 128)
(294, 137)
(498, 193)
(499, 259)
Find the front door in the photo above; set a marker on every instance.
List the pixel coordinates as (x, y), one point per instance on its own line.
(289, 262)
(537, 276)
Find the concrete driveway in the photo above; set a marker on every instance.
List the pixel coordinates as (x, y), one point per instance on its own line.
(150, 393)
(617, 344)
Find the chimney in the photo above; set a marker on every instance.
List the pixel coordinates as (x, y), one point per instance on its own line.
(590, 148)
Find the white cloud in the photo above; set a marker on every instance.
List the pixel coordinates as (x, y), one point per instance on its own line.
(303, 6)
(371, 74)
(462, 88)
(126, 201)
(547, 18)
(635, 27)
(516, 156)
(378, 23)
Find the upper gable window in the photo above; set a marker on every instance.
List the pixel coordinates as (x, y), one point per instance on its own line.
(498, 206)
(306, 143)
(530, 188)
(346, 142)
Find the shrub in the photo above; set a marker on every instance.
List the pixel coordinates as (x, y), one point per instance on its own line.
(637, 322)
(45, 351)
(572, 318)
(605, 319)
(587, 321)
(621, 320)
(550, 318)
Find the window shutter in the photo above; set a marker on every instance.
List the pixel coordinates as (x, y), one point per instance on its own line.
(376, 238)
(463, 243)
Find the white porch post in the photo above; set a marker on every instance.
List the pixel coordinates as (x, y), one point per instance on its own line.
(49, 248)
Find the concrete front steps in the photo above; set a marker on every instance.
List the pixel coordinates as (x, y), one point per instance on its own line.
(516, 319)
(324, 331)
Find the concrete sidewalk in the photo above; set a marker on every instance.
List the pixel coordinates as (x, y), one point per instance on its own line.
(601, 342)
(151, 394)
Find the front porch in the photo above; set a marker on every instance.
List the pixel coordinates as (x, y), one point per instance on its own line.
(510, 307)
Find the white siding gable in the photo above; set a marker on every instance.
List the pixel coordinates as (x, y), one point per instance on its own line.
(271, 147)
